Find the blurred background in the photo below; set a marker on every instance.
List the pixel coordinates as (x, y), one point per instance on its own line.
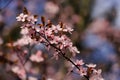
(96, 34)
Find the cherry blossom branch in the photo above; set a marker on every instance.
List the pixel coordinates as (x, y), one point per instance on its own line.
(52, 36)
(63, 54)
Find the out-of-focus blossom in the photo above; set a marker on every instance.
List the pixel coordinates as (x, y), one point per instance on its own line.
(51, 8)
(50, 79)
(12, 57)
(19, 71)
(25, 40)
(32, 78)
(105, 6)
(37, 57)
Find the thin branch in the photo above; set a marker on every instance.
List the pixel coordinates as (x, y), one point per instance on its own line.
(64, 56)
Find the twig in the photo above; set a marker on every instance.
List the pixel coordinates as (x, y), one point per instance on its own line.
(63, 54)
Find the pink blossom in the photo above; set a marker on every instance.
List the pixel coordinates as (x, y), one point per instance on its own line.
(22, 17)
(31, 19)
(91, 65)
(74, 50)
(83, 71)
(48, 32)
(58, 27)
(79, 62)
(68, 29)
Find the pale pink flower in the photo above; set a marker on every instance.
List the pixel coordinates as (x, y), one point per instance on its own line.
(22, 17)
(68, 29)
(48, 32)
(37, 57)
(79, 62)
(54, 29)
(91, 65)
(58, 27)
(74, 49)
(83, 71)
(32, 19)
(55, 40)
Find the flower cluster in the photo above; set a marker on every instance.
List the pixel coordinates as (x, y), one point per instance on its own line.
(46, 33)
(88, 70)
(53, 36)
